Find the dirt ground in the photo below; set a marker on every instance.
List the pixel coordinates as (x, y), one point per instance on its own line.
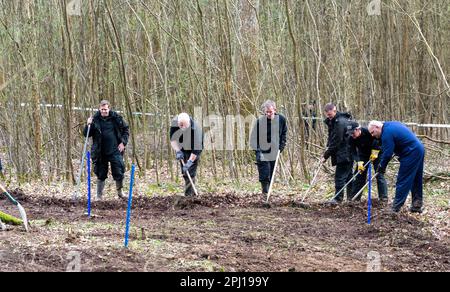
(221, 232)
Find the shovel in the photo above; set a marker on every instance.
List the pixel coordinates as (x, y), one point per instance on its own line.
(76, 194)
(266, 204)
(311, 185)
(22, 212)
(190, 180)
(364, 187)
(350, 181)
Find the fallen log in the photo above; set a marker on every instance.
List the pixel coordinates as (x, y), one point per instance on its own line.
(8, 219)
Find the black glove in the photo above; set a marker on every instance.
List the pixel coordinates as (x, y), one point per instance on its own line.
(180, 155)
(187, 166)
(326, 155)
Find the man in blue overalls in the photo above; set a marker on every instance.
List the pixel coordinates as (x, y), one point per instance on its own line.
(398, 139)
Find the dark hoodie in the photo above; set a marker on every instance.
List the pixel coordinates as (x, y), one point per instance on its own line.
(338, 146)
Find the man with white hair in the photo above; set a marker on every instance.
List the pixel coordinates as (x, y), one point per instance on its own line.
(397, 138)
(268, 136)
(186, 138)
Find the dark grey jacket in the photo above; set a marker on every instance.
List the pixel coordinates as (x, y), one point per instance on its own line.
(338, 146)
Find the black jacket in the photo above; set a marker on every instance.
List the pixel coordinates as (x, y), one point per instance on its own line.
(362, 146)
(122, 131)
(265, 144)
(338, 146)
(190, 140)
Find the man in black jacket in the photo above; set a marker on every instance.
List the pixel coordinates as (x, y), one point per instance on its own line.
(110, 135)
(268, 136)
(186, 138)
(338, 148)
(365, 147)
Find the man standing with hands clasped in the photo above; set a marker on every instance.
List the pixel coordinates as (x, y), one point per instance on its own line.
(110, 135)
(268, 137)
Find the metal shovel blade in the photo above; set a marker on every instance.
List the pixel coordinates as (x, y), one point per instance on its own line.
(23, 214)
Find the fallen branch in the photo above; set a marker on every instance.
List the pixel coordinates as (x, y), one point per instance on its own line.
(436, 176)
(433, 140)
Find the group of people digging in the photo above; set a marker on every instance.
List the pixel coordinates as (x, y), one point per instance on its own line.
(347, 143)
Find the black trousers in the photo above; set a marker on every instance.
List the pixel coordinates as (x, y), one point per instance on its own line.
(361, 181)
(265, 169)
(117, 167)
(342, 176)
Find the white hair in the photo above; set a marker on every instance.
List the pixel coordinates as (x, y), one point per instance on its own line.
(184, 118)
(268, 104)
(376, 124)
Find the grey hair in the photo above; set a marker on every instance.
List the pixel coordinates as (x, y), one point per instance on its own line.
(184, 117)
(268, 104)
(376, 124)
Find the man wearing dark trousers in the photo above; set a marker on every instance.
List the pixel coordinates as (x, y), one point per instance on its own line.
(110, 135)
(397, 138)
(186, 138)
(366, 148)
(268, 136)
(339, 149)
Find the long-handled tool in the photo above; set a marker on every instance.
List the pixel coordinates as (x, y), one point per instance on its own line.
(273, 179)
(364, 187)
(76, 194)
(22, 212)
(350, 181)
(190, 179)
(313, 182)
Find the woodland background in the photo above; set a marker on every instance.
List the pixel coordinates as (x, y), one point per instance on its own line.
(226, 56)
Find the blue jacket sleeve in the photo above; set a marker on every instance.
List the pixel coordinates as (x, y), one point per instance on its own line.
(388, 147)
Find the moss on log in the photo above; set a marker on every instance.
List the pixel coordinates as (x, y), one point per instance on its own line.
(8, 219)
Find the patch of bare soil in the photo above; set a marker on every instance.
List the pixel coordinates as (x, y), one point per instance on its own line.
(218, 232)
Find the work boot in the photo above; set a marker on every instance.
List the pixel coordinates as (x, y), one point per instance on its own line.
(334, 202)
(416, 207)
(384, 200)
(357, 199)
(119, 188)
(189, 189)
(100, 188)
(392, 213)
(265, 189)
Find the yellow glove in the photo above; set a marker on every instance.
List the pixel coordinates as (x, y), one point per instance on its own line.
(374, 155)
(361, 167)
